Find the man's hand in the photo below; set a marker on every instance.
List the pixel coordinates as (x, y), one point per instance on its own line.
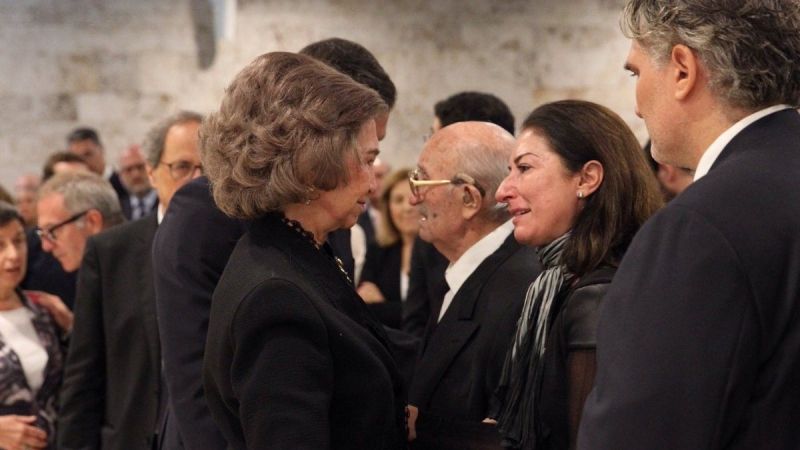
(412, 413)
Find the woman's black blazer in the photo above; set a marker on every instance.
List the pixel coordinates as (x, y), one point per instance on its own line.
(293, 358)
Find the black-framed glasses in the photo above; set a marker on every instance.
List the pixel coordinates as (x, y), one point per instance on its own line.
(50, 232)
(179, 170)
(416, 182)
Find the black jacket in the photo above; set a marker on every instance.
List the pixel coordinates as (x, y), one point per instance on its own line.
(698, 344)
(293, 357)
(463, 354)
(111, 389)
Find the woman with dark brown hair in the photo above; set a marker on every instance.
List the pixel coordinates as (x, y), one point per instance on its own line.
(293, 358)
(33, 343)
(579, 189)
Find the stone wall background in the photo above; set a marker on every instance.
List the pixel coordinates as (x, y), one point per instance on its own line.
(121, 65)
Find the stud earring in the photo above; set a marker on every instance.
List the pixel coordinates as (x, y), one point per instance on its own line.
(580, 194)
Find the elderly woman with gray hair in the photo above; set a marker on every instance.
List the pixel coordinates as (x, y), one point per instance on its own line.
(293, 357)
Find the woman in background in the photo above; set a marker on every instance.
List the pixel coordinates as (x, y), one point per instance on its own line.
(384, 281)
(32, 347)
(579, 189)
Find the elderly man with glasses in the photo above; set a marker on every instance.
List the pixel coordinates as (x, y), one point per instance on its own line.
(112, 396)
(71, 207)
(458, 173)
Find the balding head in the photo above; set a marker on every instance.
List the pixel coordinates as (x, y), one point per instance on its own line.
(479, 149)
(474, 157)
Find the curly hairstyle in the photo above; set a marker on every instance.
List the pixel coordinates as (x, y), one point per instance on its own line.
(579, 132)
(285, 129)
(750, 48)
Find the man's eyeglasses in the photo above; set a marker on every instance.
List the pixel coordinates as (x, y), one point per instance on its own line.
(179, 170)
(416, 182)
(50, 233)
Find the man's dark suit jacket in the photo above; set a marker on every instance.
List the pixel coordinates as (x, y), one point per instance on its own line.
(365, 222)
(190, 251)
(699, 341)
(382, 267)
(127, 209)
(119, 188)
(426, 287)
(110, 394)
(463, 355)
(293, 359)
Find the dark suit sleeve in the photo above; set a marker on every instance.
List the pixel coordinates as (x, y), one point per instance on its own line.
(191, 248)
(416, 308)
(282, 359)
(675, 338)
(82, 400)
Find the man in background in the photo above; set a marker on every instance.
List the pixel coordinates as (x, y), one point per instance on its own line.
(111, 397)
(85, 142)
(142, 199)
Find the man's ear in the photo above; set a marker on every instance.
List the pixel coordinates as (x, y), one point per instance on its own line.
(591, 176)
(685, 67)
(471, 201)
(94, 221)
(149, 170)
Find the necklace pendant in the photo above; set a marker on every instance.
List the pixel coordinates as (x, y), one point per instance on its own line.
(340, 264)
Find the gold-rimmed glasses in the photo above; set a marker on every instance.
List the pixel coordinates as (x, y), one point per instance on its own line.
(416, 181)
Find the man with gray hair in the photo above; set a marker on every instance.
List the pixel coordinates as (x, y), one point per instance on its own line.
(142, 199)
(471, 326)
(704, 351)
(70, 208)
(112, 396)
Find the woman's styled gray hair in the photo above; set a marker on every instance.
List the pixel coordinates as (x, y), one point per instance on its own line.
(285, 128)
(751, 48)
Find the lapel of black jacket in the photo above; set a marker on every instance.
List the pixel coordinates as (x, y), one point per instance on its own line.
(146, 231)
(460, 322)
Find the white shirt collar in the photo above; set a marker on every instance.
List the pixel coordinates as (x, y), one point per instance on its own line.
(715, 149)
(108, 170)
(160, 213)
(458, 271)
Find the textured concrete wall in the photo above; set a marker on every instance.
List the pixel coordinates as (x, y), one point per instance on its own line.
(120, 65)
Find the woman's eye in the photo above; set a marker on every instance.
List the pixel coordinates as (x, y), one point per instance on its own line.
(522, 168)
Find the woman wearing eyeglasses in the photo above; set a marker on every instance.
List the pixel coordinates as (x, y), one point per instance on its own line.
(32, 346)
(293, 358)
(579, 189)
